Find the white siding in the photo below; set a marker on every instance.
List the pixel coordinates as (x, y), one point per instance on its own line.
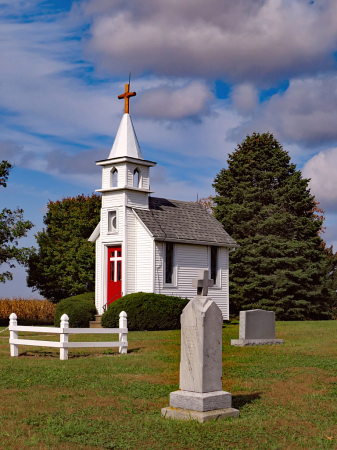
(131, 251)
(106, 176)
(144, 173)
(115, 237)
(137, 199)
(112, 199)
(144, 253)
(221, 296)
(190, 258)
(98, 280)
(129, 174)
(159, 267)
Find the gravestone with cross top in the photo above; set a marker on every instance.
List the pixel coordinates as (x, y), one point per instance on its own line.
(202, 283)
(200, 395)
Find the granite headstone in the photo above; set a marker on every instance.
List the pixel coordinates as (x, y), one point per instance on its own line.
(201, 395)
(257, 327)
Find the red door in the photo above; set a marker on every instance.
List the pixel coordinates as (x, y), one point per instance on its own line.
(114, 273)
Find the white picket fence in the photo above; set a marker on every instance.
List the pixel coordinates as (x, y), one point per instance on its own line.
(64, 332)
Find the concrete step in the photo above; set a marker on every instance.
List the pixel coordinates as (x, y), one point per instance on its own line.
(98, 318)
(94, 324)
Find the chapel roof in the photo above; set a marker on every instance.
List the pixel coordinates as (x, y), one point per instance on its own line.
(178, 221)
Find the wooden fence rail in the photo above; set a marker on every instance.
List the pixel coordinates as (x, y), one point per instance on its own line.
(64, 332)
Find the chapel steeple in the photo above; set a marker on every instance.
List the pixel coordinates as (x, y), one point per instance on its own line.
(126, 169)
(126, 142)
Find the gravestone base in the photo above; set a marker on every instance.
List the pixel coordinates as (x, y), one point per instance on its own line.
(197, 401)
(200, 416)
(246, 342)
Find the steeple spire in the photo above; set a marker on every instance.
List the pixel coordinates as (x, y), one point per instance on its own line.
(126, 142)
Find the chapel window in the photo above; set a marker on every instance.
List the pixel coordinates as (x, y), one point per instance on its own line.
(114, 177)
(169, 247)
(112, 221)
(136, 178)
(214, 264)
(119, 270)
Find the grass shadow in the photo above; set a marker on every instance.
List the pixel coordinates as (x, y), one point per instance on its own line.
(73, 355)
(238, 401)
(135, 350)
(39, 354)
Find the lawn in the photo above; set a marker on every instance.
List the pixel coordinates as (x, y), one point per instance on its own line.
(98, 399)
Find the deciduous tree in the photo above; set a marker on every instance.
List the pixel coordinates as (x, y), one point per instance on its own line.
(12, 228)
(64, 264)
(207, 203)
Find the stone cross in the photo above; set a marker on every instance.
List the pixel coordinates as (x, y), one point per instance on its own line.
(127, 96)
(202, 283)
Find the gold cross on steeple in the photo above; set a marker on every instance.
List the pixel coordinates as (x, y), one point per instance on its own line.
(127, 96)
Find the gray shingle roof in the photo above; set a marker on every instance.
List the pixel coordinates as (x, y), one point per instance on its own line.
(176, 221)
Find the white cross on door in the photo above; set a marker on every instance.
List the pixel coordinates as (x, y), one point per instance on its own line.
(115, 265)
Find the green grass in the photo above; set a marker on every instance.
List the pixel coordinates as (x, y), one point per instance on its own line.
(98, 399)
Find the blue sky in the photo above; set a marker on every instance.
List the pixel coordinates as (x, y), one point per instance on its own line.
(205, 73)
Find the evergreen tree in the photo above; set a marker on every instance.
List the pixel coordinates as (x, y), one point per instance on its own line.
(12, 228)
(64, 264)
(265, 205)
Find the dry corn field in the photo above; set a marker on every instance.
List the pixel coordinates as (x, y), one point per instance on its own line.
(27, 309)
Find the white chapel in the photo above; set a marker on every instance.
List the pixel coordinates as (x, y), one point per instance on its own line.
(150, 244)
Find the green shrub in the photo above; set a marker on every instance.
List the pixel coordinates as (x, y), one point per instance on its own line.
(146, 312)
(89, 296)
(79, 308)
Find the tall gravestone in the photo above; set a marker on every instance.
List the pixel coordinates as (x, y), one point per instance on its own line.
(201, 396)
(257, 327)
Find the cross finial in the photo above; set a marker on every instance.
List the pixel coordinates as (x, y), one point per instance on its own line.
(202, 283)
(127, 96)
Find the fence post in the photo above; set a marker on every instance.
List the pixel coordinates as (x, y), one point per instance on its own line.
(123, 337)
(13, 321)
(64, 337)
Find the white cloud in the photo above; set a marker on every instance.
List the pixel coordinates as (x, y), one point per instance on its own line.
(72, 164)
(172, 103)
(244, 98)
(168, 186)
(322, 169)
(42, 84)
(10, 151)
(242, 40)
(305, 113)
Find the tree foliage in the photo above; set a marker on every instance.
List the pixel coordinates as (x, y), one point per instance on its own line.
(64, 264)
(207, 203)
(12, 228)
(265, 205)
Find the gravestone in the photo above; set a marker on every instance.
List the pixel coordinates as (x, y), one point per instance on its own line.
(257, 327)
(201, 396)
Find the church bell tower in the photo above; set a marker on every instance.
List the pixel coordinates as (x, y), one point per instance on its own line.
(125, 185)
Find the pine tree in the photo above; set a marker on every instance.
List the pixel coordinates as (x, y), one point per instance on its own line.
(266, 206)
